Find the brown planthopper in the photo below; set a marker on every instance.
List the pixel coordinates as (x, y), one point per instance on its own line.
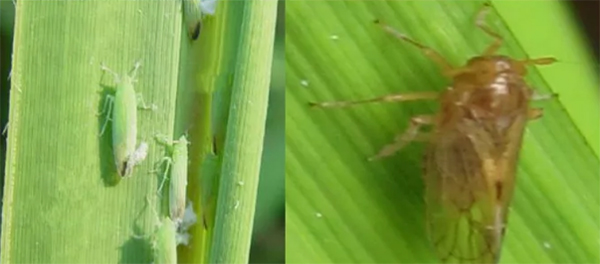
(470, 161)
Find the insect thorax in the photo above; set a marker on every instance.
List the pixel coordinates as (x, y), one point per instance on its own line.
(490, 87)
(490, 91)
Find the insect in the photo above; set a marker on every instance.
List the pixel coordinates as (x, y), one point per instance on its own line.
(194, 12)
(164, 243)
(121, 110)
(178, 178)
(163, 240)
(470, 161)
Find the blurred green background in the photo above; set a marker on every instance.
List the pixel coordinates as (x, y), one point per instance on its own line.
(269, 233)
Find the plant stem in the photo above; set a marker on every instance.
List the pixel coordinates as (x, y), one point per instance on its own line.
(245, 133)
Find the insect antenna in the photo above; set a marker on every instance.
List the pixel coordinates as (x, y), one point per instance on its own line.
(480, 22)
(447, 68)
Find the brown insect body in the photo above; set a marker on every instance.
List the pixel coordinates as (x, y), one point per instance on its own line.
(470, 163)
(471, 159)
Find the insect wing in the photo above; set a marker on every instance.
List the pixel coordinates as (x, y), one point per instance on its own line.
(469, 176)
(178, 180)
(124, 130)
(165, 244)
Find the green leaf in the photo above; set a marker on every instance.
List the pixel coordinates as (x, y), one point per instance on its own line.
(343, 209)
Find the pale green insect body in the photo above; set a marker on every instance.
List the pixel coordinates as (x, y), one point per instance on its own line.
(179, 179)
(121, 109)
(169, 235)
(178, 163)
(164, 245)
(163, 239)
(124, 133)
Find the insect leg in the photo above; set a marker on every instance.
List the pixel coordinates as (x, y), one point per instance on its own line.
(109, 99)
(411, 134)
(538, 61)
(147, 204)
(142, 104)
(535, 113)
(447, 69)
(133, 72)
(480, 22)
(165, 175)
(108, 105)
(106, 69)
(541, 97)
(386, 98)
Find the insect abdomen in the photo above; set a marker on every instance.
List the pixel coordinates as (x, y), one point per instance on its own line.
(178, 180)
(124, 130)
(165, 244)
